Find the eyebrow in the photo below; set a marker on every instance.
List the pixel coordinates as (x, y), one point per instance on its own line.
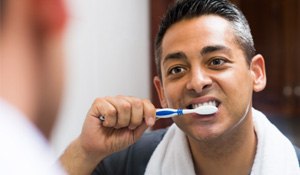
(204, 51)
(174, 56)
(214, 48)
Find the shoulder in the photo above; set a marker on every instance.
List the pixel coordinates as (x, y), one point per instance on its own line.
(134, 159)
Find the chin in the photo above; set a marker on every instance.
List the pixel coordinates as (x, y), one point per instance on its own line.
(204, 133)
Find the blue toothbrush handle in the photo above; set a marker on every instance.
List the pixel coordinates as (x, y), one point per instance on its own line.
(168, 112)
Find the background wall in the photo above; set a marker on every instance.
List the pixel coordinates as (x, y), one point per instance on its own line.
(107, 51)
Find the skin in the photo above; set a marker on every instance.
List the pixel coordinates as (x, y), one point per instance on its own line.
(126, 119)
(200, 63)
(222, 75)
(32, 66)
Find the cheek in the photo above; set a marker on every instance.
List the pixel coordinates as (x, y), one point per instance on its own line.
(174, 93)
(237, 88)
(235, 80)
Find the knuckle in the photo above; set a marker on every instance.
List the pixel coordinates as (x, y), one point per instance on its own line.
(146, 101)
(125, 106)
(138, 103)
(111, 112)
(97, 101)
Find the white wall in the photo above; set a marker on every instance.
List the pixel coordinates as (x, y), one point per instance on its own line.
(107, 50)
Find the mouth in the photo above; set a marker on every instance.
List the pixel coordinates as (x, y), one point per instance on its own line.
(207, 103)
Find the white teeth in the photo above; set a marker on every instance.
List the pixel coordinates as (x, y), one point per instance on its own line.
(209, 103)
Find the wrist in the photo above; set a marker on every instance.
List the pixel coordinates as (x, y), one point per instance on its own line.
(76, 160)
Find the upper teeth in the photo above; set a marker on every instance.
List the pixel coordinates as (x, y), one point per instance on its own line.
(209, 103)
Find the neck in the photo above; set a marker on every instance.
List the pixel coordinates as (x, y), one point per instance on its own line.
(232, 154)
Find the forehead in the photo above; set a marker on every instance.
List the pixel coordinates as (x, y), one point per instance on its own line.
(198, 32)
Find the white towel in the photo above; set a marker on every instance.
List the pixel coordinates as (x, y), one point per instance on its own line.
(275, 154)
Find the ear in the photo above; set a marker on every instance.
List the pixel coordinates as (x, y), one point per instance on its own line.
(258, 72)
(160, 91)
(51, 16)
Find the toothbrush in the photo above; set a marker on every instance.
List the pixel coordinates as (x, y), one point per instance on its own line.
(202, 110)
(169, 112)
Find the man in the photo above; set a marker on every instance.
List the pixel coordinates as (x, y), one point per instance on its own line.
(204, 55)
(31, 79)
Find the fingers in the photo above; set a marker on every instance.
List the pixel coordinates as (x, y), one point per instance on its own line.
(102, 107)
(137, 111)
(149, 112)
(124, 111)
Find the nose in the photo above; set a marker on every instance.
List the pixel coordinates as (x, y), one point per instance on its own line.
(199, 80)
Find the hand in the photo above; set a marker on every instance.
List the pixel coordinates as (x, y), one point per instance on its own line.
(126, 119)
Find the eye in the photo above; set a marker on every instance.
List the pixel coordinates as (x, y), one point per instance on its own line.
(217, 62)
(176, 70)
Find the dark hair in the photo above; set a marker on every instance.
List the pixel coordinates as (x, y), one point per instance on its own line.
(187, 9)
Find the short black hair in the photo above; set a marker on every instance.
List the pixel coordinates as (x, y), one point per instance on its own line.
(187, 9)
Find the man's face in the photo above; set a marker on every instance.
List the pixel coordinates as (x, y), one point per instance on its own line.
(31, 39)
(202, 63)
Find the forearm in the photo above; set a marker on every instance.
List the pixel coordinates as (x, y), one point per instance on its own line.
(78, 162)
